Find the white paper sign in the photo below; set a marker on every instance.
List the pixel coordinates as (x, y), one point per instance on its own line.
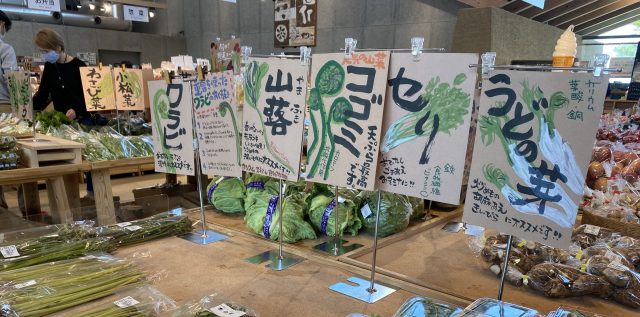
(223, 310)
(25, 284)
(590, 229)
(49, 5)
(133, 228)
(134, 13)
(172, 127)
(366, 211)
(123, 224)
(126, 302)
(9, 251)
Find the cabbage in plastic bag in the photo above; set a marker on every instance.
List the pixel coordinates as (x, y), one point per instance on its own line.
(263, 217)
(395, 212)
(323, 216)
(227, 194)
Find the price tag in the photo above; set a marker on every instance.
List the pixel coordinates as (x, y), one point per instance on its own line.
(133, 228)
(9, 251)
(25, 284)
(366, 211)
(589, 229)
(615, 258)
(341, 199)
(223, 310)
(617, 266)
(123, 224)
(126, 302)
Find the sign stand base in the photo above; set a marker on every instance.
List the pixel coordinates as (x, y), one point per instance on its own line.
(199, 238)
(360, 290)
(337, 246)
(276, 262)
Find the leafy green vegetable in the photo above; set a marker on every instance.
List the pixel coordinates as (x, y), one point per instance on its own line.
(51, 119)
(417, 205)
(322, 213)
(227, 194)
(294, 226)
(395, 212)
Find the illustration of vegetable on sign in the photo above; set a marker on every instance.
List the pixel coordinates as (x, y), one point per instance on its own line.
(20, 95)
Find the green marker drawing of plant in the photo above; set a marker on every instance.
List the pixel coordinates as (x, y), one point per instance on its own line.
(224, 108)
(329, 83)
(106, 86)
(253, 77)
(19, 94)
(132, 81)
(446, 107)
(161, 111)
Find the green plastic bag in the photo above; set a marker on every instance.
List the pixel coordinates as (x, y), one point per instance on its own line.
(227, 194)
(322, 214)
(395, 212)
(262, 218)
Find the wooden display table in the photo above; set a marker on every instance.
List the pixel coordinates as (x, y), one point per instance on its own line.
(611, 104)
(101, 177)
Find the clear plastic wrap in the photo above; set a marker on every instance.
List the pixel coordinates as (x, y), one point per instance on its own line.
(322, 203)
(488, 307)
(560, 281)
(571, 312)
(155, 227)
(395, 212)
(588, 235)
(209, 305)
(227, 194)
(424, 307)
(140, 301)
(117, 144)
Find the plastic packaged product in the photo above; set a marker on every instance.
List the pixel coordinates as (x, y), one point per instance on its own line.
(256, 185)
(559, 281)
(571, 312)
(322, 205)
(395, 212)
(263, 217)
(417, 204)
(48, 288)
(227, 194)
(9, 159)
(424, 307)
(155, 227)
(7, 142)
(212, 306)
(141, 145)
(488, 307)
(141, 301)
(588, 235)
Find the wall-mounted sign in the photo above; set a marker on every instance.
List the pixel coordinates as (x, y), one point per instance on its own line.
(134, 13)
(295, 23)
(49, 5)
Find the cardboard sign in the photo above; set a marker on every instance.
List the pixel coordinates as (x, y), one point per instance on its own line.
(273, 123)
(346, 104)
(225, 55)
(426, 125)
(533, 145)
(218, 124)
(129, 89)
(172, 127)
(295, 23)
(97, 85)
(20, 94)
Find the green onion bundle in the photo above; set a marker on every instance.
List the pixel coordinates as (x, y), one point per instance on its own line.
(159, 226)
(142, 301)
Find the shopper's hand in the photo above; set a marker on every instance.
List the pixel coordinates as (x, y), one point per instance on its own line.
(71, 114)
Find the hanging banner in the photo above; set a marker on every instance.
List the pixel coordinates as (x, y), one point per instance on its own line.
(426, 125)
(533, 145)
(129, 89)
(275, 94)
(97, 85)
(218, 122)
(20, 94)
(346, 104)
(172, 127)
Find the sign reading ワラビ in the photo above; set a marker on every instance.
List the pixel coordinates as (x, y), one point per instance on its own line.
(273, 117)
(535, 135)
(129, 89)
(218, 120)
(20, 94)
(425, 128)
(346, 104)
(97, 85)
(172, 127)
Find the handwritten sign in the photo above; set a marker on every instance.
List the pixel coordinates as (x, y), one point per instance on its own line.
(97, 85)
(129, 89)
(295, 23)
(426, 125)
(346, 104)
(225, 55)
(218, 123)
(274, 95)
(20, 94)
(172, 127)
(535, 135)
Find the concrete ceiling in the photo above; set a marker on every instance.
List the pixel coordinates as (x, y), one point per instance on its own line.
(590, 17)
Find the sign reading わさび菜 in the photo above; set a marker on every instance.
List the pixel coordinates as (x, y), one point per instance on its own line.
(346, 104)
(534, 140)
(273, 118)
(426, 125)
(218, 122)
(129, 89)
(172, 127)
(97, 85)
(20, 94)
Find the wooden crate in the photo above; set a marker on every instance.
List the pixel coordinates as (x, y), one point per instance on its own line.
(50, 151)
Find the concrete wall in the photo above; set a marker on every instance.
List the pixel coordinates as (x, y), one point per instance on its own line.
(511, 36)
(375, 23)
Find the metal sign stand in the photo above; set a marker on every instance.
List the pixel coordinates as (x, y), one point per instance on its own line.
(278, 260)
(336, 245)
(203, 236)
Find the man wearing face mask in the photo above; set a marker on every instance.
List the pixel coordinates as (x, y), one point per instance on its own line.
(7, 62)
(61, 81)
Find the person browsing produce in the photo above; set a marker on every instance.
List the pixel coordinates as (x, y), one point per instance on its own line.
(61, 81)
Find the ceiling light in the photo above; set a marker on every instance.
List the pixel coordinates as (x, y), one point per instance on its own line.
(92, 6)
(152, 14)
(107, 8)
(79, 6)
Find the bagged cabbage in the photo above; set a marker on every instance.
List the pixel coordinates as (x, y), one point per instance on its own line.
(263, 217)
(395, 212)
(256, 185)
(227, 194)
(417, 205)
(322, 204)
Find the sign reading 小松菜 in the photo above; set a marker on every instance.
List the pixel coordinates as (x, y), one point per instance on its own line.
(533, 145)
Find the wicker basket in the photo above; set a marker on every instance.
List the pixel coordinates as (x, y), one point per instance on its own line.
(626, 229)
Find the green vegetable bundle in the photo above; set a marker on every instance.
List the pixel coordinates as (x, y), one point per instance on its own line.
(322, 213)
(159, 226)
(51, 119)
(417, 205)
(263, 218)
(7, 142)
(256, 185)
(48, 288)
(395, 212)
(141, 301)
(205, 306)
(142, 145)
(118, 145)
(227, 194)
(419, 306)
(9, 159)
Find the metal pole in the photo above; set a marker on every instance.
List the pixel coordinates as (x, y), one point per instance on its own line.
(429, 209)
(199, 180)
(503, 275)
(543, 68)
(336, 234)
(371, 288)
(118, 119)
(280, 194)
